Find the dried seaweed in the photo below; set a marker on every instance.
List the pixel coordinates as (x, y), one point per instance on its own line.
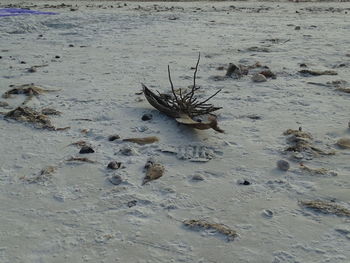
(44, 175)
(80, 159)
(346, 90)
(220, 228)
(142, 141)
(50, 111)
(307, 72)
(29, 90)
(326, 207)
(317, 171)
(29, 115)
(301, 141)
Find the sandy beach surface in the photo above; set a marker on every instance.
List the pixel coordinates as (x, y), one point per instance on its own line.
(93, 57)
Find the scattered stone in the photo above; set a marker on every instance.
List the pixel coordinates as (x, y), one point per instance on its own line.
(114, 165)
(128, 151)
(297, 28)
(197, 177)
(86, 149)
(233, 71)
(147, 117)
(344, 142)
(132, 203)
(113, 137)
(244, 182)
(57, 57)
(268, 74)
(115, 179)
(283, 165)
(259, 78)
(23, 62)
(32, 70)
(267, 213)
(302, 65)
(70, 45)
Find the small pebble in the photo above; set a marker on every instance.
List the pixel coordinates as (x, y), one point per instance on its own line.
(57, 57)
(283, 165)
(32, 70)
(113, 137)
(114, 165)
(197, 177)
(0, 57)
(40, 35)
(147, 117)
(86, 149)
(115, 179)
(297, 28)
(71, 45)
(244, 182)
(267, 213)
(259, 78)
(132, 203)
(23, 62)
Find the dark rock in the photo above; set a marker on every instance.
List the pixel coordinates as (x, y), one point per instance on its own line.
(283, 165)
(147, 117)
(244, 182)
(113, 137)
(114, 165)
(197, 177)
(115, 179)
(86, 149)
(57, 57)
(132, 203)
(70, 45)
(297, 28)
(23, 62)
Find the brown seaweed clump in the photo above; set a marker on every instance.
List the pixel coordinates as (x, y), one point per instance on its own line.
(220, 228)
(142, 141)
(326, 207)
(29, 90)
(301, 142)
(29, 115)
(153, 171)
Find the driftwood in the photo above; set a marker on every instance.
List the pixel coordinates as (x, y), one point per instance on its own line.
(185, 107)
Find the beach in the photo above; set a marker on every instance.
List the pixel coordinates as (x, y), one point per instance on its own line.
(87, 60)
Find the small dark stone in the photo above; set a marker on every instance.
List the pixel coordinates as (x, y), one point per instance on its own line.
(57, 57)
(147, 117)
(86, 149)
(40, 35)
(0, 57)
(71, 45)
(114, 165)
(197, 177)
(115, 179)
(23, 62)
(32, 70)
(303, 65)
(132, 203)
(297, 28)
(283, 165)
(245, 182)
(113, 137)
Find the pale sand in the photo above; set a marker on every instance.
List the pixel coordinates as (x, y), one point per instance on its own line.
(79, 216)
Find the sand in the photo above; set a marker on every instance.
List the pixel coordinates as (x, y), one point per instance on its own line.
(97, 57)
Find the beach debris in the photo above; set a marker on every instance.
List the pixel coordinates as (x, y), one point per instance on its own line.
(220, 228)
(29, 115)
(147, 117)
(33, 69)
(86, 149)
(316, 171)
(114, 165)
(197, 178)
(131, 203)
(80, 159)
(346, 90)
(50, 111)
(128, 151)
(115, 179)
(185, 107)
(244, 182)
(3, 104)
(297, 28)
(44, 175)
(258, 78)
(80, 143)
(29, 90)
(234, 71)
(344, 143)
(326, 207)
(113, 137)
(301, 142)
(283, 165)
(153, 171)
(267, 213)
(142, 141)
(268, 74)
(82, 119)
(307, 72)
(191, 152)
